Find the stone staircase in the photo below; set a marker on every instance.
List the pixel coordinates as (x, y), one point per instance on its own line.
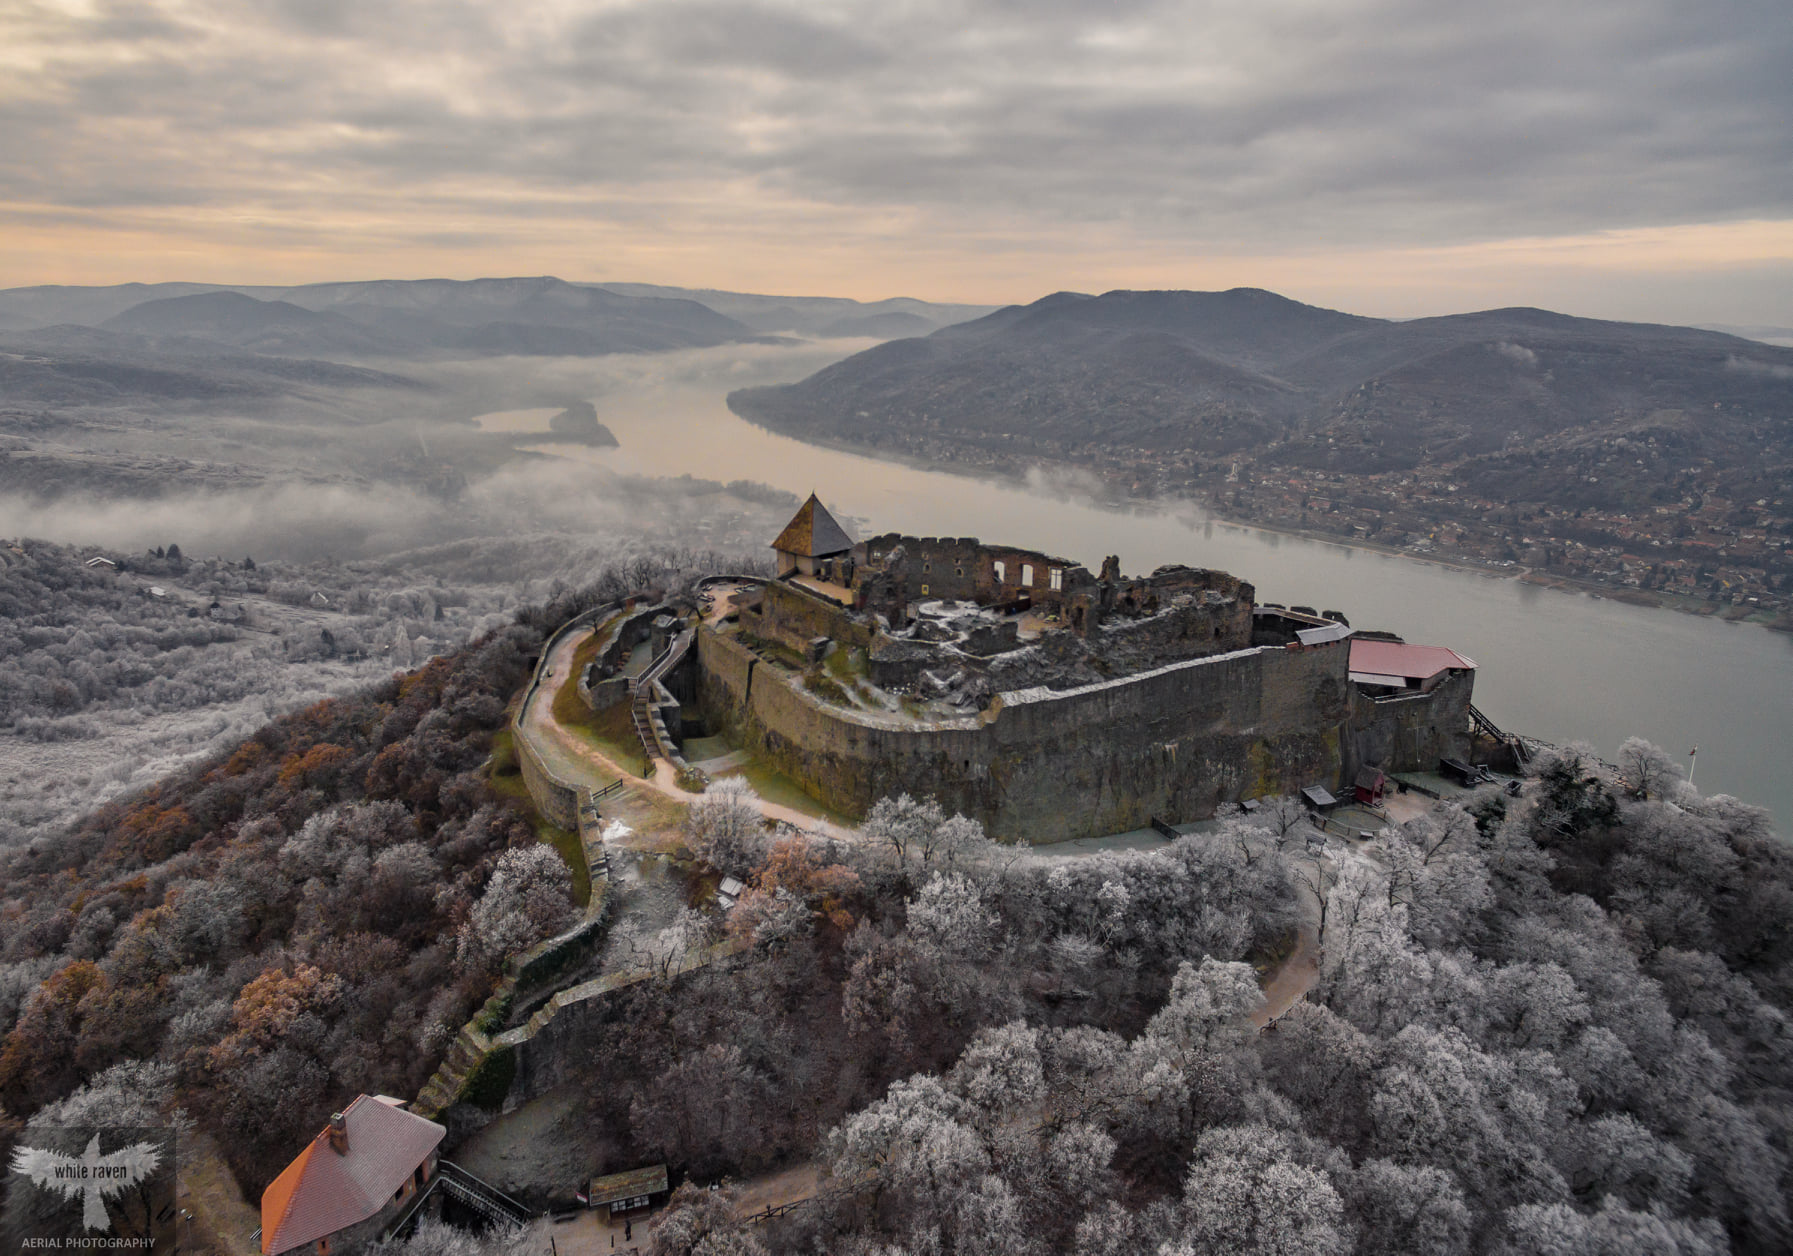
(591, 831)
(471, 1047)
(465, 1054)
(644, 711)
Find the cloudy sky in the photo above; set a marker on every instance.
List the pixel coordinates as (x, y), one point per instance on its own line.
(1627, 158)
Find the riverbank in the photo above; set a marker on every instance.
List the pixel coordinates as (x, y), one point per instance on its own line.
(1100, 494)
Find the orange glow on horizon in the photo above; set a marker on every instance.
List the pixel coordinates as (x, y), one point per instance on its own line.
(48, 245)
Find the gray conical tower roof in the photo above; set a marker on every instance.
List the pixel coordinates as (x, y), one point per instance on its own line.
(813, 533)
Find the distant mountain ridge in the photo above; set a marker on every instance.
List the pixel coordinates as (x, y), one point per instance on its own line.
(1213, 374)
(825, 317)
(445, 318)
(73, 365)
(428, 318)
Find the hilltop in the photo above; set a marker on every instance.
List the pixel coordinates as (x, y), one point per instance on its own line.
(1222, 372)
(1524, 435)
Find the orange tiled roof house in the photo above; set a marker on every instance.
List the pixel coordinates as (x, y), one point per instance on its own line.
(351, 1182)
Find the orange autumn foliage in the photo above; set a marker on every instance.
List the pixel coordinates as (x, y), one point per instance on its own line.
(266, 1008)
(316, 766)
(791, 865)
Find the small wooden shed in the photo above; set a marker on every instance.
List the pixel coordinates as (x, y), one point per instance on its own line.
(629, 1192)
(1369, 786)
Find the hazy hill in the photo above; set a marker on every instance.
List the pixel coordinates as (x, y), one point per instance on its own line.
(272, 327)
(446, 318)
(46, 305)
(71, 365)
(1223, 372)
(523, 315)
(433, 318)
(819, 316)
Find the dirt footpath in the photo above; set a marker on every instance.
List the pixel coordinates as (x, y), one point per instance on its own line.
(215, 1218)
(1292, 979)
(776, 1189)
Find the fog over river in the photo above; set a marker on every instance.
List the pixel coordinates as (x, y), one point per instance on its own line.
(1559, 666)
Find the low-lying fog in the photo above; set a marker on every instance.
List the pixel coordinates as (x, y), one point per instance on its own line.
(382, 473)
(383, 527)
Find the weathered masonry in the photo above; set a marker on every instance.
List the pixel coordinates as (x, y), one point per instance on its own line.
(1039, 765)
(1048, 703)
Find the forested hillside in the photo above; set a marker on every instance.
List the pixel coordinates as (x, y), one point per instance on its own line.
(105, 684)
(1559, 1030)
(1215, 374)
(1557, 1024)
(303, 916)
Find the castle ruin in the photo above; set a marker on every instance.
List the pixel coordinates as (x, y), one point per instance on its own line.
(1044, 700)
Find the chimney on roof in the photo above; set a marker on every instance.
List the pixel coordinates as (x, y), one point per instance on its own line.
(339, 1134)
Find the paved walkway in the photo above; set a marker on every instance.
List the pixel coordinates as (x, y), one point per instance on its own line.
(571, 756)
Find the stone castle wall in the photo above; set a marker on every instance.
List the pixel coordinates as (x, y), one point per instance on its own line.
(1040, 765)
(557, 800)
(1411, 732)
(794, 617)
(963, 569)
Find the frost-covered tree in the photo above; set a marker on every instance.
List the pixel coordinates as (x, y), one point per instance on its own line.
(1207, 1007)
(948, 917)
(999, 1072)
(438, 1238)
(1398, 1208)
(1615, 1230)
(1648, 770)
(1248, 1193)
(726, 826)
(530, 897)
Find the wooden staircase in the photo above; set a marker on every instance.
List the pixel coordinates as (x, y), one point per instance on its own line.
(1482, 724)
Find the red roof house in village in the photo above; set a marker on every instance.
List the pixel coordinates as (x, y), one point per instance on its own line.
(351, 1181)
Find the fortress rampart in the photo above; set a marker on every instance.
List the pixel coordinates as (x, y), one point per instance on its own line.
(1042, 765)
(1410, 732)
(557, 800)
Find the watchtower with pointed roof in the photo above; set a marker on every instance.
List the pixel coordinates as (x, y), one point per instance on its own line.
(811, 535)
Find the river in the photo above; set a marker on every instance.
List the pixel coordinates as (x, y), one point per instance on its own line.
(1552, 664)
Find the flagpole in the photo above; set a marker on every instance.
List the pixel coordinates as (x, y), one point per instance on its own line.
(1693, 762)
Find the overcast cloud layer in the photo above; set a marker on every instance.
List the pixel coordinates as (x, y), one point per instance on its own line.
(975, 150)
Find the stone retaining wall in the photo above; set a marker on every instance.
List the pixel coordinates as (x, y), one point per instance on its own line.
(1039, 765)
(1411, 732)
(556, 799)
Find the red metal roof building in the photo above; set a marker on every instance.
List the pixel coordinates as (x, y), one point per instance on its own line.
(1399, 665)
(370, 1158)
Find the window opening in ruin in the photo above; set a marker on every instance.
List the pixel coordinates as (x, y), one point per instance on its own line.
(1027, 574)
(999, 570)
(1058, 577)
(924, 590)
(925, 567)
(959, 571)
